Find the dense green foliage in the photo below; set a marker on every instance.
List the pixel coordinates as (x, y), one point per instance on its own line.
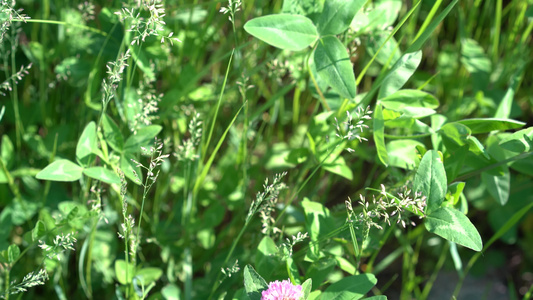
(202, 149)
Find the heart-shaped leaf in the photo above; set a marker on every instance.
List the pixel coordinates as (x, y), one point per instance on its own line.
(61, 170)
(254, 284)
(102, 174)
(430, 180)
(454, 226)
(285, 31)
(337, 16)
(334, 66)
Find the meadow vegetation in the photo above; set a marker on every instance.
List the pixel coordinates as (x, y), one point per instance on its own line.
(327, 149)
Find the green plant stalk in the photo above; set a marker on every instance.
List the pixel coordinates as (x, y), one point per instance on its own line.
(42, 67)
(370, 263)
(6, 289)
(188, 273)
(428, 19)
(527, 33)
(519, 20)
(48, 183)
(490, 167)
(296, 106)
(529, 293)
(12, 186)
(95, 30)
(206, 145)
(216, 284)
(321, 98)
(200, 179)
(19, 127)
(393, 32)
(354, 243)
(438, 267)
(497, 30)
(510, 223)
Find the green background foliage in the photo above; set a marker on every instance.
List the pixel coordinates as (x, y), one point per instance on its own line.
(370, 107)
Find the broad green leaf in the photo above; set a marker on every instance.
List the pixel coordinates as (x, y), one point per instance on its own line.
(409, 98)
(254, 284)
(403, 153)
(171, 292)
(338, 166)
(398, 75)
(454, 135)
(265, 260)
(334, 66)
(13, 253)
(504, 108)
(38, 231)
(7, 152)
(454, 226)
(499, 186)
(102, 174)
(292, 270)
(130, 168)
(337, 16)
(17, 213)
(350, 288)
(139, 56)
(319, 270)
(144, 137)
(317, 219)
(486, 125)
(285, 31)
(476, 62)
(306, 288)
(383, 15)
(511, 222)
(454, 191)
(380, 297)
(304, 8)
(379, 135)
(112, 134)
(61, 170)
(120, 271)
(520, 141)
(422, 37)
(87, 145)
(345, 265)
(430, 179)
(149, 275)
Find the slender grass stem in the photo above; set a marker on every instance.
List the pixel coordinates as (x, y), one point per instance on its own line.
(95, 30)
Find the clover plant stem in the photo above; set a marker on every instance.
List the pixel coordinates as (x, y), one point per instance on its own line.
(438, 266)
(233, 245)
(6, 284)
(90, 258)
(372, 259)
(356, 250)
(19, 128)
(321, 98)
(503, 229)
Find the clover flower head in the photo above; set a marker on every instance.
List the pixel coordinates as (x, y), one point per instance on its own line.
(282, 290)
